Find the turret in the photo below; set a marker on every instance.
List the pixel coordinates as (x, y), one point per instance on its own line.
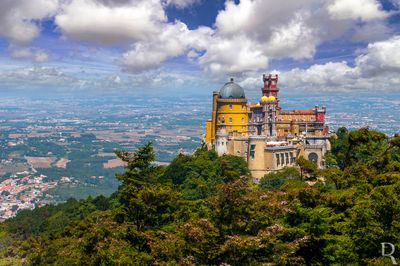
(222, 142)
(256, 156)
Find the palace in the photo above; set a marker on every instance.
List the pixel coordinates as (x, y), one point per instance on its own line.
(266, 136)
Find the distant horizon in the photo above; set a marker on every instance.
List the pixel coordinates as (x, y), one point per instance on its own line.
(352, 110)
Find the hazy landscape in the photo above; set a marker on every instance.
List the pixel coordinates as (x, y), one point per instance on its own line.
(71, 141)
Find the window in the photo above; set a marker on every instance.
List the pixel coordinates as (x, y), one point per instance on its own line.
(277, 160)
(230, 107)
(242, 120)
(287, 158)
(252, 151)
(313, 157)
(291, 158)
(282, 158)
(230, 119)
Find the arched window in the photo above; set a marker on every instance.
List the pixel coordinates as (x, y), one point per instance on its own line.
(230, 119)
(230, 107)
(313, 157)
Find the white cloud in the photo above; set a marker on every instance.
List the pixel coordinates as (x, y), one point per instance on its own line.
(35, 54)
(35, 78)
(329, 74)
(292, 29)
(377, 67)
(92, 20)
(142, 24)
(258, 18)
(236, 18)
(182, 3)
(250, 33)
(233, 56)
(246, 36)
(285, 41)
(18, 18)
(356, 9)
(380, 57)
(173, 40)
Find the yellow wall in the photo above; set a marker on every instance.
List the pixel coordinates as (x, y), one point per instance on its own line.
(208, 131)
(284, 128)
(214, 115)
(237, 111)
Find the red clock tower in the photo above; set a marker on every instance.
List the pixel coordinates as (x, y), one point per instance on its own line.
(270, 86)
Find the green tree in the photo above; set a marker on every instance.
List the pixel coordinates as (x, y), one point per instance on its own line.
(307, 167)
(143, 202)
(275, 180)
(231, 206)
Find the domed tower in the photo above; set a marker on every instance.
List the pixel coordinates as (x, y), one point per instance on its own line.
(231, 110)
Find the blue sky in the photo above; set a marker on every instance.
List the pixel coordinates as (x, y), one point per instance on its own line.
(193, 45)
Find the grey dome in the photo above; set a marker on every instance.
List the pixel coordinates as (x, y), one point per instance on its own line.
(231, 90)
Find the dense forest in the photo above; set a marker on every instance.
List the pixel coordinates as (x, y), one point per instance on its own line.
(206, 210)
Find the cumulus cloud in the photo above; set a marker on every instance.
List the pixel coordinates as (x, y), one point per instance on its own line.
(285, 40)
(246, 36)
(380, 57)
(173, 40)
(233, 56)
(142, 23)
(250, 33)
(18, 18)
(111, 21)
(329, 74)
(379, 62)
(356, 9)
(292, 29)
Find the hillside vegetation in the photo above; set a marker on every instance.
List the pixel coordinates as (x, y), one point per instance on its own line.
(205, 210)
